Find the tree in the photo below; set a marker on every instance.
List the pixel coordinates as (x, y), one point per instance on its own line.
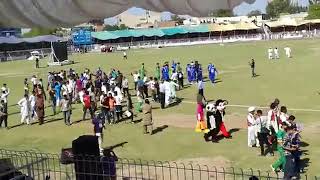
(276, 7)
(115, 27)
(123, 26)
(311, 2)
(39, 32)
(222, 13)
(178, 19)
(254, 13)
(314, 11)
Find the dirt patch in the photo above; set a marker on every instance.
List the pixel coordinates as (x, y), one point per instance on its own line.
(189, 121)
(219, 161)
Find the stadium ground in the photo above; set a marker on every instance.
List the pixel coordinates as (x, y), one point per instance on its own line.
(293, 81)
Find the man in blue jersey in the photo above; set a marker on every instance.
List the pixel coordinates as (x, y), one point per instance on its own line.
(212, 72)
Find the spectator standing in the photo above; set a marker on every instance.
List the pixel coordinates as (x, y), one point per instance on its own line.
(53, 100)
(112, 103)
(87, 105)
(104, 100)
(65, 104)
(3, 114)
(25, 109)
(147, 117)
(262, 133)
(162, 90)
(118, 106)
(40, 107)
(98, 126)
(125, 86)
(289, 148)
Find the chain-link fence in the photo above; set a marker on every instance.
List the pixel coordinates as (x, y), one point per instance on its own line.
(44, 166)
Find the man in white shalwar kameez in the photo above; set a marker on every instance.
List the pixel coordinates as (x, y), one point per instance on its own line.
(32, 100)
(119, 93)
(25, 109)
(167, 92)
(173, 87)
(251, 127)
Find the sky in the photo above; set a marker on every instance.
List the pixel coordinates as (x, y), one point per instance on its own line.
(243, 9)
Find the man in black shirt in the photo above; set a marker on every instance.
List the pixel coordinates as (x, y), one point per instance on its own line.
(3, 114)
(253, 65)
(37, 63)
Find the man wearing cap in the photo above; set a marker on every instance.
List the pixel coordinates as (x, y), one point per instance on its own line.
(251, 127)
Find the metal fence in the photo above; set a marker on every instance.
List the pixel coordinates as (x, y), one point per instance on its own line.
(44, 166)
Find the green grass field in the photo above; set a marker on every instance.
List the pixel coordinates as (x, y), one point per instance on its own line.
(293, 81)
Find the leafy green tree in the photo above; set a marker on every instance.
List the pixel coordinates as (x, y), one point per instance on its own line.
(178, 19)
(254, 13)
(39, 32)
(115, 27)
(222, 13)
(314, 11)
(277, 7)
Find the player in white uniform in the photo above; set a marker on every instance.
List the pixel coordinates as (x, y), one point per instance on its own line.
(288, 51)
(270, 53)
(276, 53)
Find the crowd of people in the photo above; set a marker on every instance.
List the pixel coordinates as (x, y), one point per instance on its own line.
(277, 131)
(107, 99)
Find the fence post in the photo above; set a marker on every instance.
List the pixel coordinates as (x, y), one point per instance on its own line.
(242, 173)
(216, 171)
(148, 170)
(141, 168)
(224, 173)
(161, 169)
(234, 174)
(177, 170)
(191, 170)
(251, 171)
(184, 171)
(169, 169)
(199, 171)
(155, 169)
(135, 169)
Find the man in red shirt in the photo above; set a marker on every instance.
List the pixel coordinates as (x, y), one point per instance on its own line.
(87, 106)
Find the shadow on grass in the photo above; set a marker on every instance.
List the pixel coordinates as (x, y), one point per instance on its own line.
(115, 146)
(304, 144)
(304, 163)
(52, 120)
(231, 131)
(176, 103)
(159, 129)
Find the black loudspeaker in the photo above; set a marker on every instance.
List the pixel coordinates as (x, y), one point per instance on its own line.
(60, 51)
(87, 158)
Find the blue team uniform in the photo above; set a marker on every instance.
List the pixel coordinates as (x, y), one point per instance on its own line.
(174, 67)
(199, 74)
(165, 73)
(188, 69)
(193, 73)
(212, 73)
